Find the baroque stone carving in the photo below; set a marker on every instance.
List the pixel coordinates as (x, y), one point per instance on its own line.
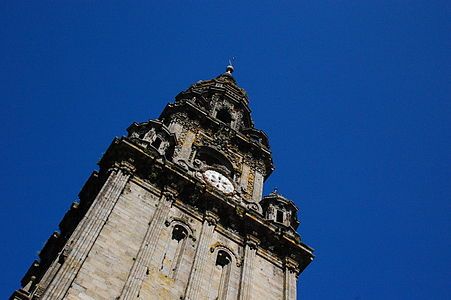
(137, 218)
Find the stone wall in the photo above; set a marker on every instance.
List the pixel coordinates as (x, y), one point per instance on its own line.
(107, 266)
(110, 262)
(268, 280)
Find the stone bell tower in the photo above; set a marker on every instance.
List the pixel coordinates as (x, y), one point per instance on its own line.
(176, 211)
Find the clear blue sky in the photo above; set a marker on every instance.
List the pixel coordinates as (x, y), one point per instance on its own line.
(354, 95)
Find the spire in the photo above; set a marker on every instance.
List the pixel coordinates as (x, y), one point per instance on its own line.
(230, 68)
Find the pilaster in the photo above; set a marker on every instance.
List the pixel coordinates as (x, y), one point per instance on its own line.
(258, 187)
(290, 275)
(146, 252)
(250, 250)
(197, 275)
(79, 244)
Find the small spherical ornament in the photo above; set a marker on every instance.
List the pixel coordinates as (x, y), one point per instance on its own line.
(229, 69)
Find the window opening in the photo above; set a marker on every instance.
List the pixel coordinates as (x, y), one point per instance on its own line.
(279, 216)
(223, 259)
(224, 116)
(221, 276)
(156, 143)
(179, 233)
(175, 247)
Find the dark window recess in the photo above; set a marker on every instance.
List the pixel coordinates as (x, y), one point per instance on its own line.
(256, 138)
(212, 157)
(156, 143)
(223, 258)
(279, 216)
(223, 115)
(142, 135)
(179, 233)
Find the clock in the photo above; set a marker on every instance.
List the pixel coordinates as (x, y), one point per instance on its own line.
(219, 181)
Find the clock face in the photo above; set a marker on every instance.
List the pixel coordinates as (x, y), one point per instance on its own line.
(219, 181)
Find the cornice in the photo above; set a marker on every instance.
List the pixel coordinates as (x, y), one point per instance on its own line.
(193, 194)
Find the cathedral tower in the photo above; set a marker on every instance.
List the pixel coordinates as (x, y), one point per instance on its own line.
(176, 211)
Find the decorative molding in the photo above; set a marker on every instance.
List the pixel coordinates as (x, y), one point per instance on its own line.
(219, 246)
(179, 221)
(252, 241)
(211, 218)
(250, 185)
(291, 265)
(126, 166)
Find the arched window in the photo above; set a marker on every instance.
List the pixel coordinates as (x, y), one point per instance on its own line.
(223, 258)
(212, 157)
(224, 116)
(179, 233)
(221, 276)
(174, 251)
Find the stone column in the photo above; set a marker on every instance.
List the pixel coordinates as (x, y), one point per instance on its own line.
(197, 274)
(250, 250)
(291, 271)
(146, 251)
(81, 241)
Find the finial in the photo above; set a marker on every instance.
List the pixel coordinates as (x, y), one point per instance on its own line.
(230, 68)
(275, 190)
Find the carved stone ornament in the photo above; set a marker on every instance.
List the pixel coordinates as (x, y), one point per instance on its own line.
(222, 144)
(240, 211)
(252, 241)
(250, 185)
(183, 119)
(125, 166)
(253, 206)
(254, 163)
(211, 218)
(170, 194)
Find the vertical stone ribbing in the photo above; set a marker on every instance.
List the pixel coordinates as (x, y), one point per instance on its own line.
(177, 258)
(224, 281)
(146, 251)
(250, 250)
(289, 288)
(84, 236)
(198, 269)
(46, 279)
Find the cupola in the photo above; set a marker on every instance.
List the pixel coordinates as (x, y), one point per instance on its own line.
(280, 210)
(153, 136)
